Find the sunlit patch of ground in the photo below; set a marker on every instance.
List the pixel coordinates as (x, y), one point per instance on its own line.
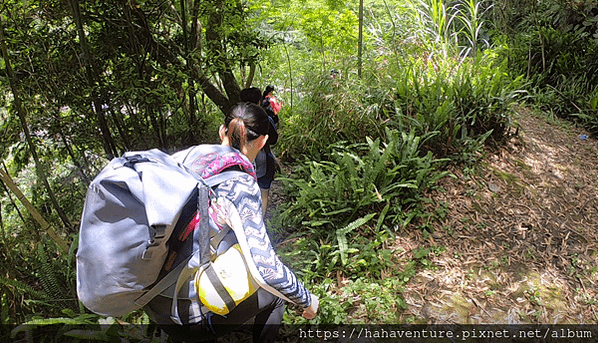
(520, 237)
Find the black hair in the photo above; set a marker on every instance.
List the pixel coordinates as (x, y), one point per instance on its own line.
(268, 90)
(251, 94)
(245, 122)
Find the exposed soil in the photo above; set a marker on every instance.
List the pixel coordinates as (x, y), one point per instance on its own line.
(519, 237)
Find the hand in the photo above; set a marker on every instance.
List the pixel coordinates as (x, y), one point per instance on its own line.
(312, 310)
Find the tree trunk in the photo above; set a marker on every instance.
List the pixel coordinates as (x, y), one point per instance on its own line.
(214, 93)
(214, 42)
(93, 80)
(1, 218)
(155, 122)
(120, 127)
(167, 55)
(189, 45)
(286, 50)
(20, 112)
(251, 76)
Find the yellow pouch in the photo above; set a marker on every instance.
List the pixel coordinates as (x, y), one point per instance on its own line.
(231, 271)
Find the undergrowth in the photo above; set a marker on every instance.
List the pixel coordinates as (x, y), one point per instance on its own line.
(362, 152)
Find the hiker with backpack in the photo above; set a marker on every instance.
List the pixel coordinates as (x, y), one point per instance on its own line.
(265, 162)
(183, 237)
(244, 133)
(271, 104)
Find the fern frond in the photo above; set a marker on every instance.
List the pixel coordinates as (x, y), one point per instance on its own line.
(24, 288)
(382, 217)
(46, 274)
(341, 235)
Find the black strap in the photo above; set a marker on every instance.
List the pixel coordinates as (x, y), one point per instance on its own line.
(204, 246)
(211, 274)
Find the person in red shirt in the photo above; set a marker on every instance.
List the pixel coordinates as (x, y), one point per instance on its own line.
(265, 162)
(271, 104)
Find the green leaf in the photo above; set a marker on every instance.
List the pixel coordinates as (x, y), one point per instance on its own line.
(342, 238)
(333, 213)
(381, 218)
(315, 223)
(88, 335)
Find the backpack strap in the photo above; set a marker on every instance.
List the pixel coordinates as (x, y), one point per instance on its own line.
(182, 272)
(203, 253)
(222, 177)
(185, 273)
(163, 284)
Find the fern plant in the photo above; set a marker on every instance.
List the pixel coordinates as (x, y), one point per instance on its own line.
(337, 198)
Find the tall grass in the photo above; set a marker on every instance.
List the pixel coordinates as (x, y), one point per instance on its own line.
(328, 111)
(434, 22)
(443, 29)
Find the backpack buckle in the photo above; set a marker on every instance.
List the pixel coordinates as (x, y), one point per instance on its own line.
(134, 159)
(157, 233)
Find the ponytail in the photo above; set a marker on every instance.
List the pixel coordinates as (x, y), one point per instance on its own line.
(236, 133)
(245, 122)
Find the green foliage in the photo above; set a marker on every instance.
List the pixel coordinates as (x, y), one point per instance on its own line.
(360, 301)
(336, 199)
(461, 102)
(47, 275)
(470, 14)
(459, 98)
(323, 34)
(333, 309)
(72, 327)
(22, 288)
(434, 30)
(36, 281)
(555, 45)
(341, 235)
(378, 299)
(329, 111)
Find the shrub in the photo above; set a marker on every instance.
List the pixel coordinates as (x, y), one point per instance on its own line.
(329, 111)
(358, 193)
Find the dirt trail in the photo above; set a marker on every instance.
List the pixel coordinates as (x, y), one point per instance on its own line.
(519, 239)
(521, 236)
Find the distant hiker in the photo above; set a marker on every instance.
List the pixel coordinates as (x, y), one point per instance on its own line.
(266, 163)
(252, 95)
(271, 104)
(245, 131)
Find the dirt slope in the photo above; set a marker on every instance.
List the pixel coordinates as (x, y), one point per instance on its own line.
(521, 235)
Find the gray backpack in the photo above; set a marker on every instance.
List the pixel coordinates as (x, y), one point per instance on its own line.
(133, 208)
